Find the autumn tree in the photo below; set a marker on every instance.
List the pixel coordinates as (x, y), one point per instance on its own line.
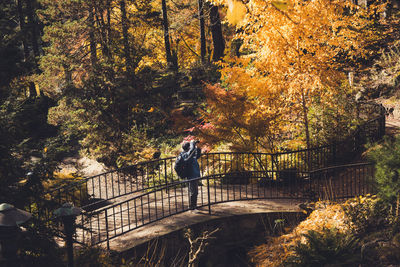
(246, 124)
(294, 55)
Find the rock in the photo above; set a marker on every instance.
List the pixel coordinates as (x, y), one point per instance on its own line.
(86, 167)
(90, 167)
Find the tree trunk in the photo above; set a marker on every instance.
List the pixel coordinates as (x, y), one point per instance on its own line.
(305, 119)
(307, 130)
(167, 44)
(22, 26)
(103, 35)
(216, 32)
(125, 36)
(32, 90)
(108, 7)
(32, 27)
(92, 40)
(202, 32)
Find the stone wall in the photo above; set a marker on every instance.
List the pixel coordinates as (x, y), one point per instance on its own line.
(236, 235)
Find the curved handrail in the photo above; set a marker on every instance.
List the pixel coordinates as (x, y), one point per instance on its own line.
(359, 164)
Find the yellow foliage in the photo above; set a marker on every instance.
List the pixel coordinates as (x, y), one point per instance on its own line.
(236, 11)
(326, 215)
(79, 194)
(61, 178)
(142, 154)
(291, 58)
(281, 5)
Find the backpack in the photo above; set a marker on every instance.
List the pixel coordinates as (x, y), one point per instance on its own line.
(181, 167)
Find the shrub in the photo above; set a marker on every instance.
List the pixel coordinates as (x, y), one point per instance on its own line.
(279, 249)
(365, 213)
(77, 192)
(387, 167)
(326, 247)
(334, 120)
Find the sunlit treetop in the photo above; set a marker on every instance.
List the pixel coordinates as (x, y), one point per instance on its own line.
(294, 53)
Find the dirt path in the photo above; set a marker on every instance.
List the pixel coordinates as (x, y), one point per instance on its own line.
(392, 119)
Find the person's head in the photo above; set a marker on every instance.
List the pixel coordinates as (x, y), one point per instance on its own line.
(185, 146)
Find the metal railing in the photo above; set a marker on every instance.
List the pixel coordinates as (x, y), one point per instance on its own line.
(341, 182)
(332, 183)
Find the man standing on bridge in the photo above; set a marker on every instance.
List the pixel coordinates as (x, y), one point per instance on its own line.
(190, 155)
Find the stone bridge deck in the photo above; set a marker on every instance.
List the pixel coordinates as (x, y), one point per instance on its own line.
(141, 216)
(186, 219)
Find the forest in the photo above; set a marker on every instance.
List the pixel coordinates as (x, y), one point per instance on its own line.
(127, 81)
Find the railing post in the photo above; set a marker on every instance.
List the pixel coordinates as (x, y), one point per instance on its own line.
(108, 239)
(382, 125)
(165, 172)
(309, 156)
(334, 152)
(310, 189)
(208, 195)
(357, 140)
(332, 183)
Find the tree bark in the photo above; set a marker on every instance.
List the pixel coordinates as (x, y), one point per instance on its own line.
(202, 32)
(22, 27)
(32, 27)
(305, 119)
(32, 90)
(92, 40)
(125, 36)
(167, 44)
(103, 35)
(108, 7)
(216, 32)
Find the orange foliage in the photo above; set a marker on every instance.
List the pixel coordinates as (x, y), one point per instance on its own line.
(294, 53)
(180, 121)
(234, 117)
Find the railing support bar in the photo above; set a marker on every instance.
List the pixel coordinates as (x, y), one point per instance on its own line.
(208, 195)
(108, 238)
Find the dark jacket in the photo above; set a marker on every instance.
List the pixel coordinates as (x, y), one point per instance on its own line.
(190, 157)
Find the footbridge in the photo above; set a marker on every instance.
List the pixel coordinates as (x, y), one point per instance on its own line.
(124, 200)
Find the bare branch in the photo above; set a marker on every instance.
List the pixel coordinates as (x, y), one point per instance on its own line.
(198, 245)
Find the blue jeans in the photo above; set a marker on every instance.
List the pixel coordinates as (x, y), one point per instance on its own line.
(193, 192)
